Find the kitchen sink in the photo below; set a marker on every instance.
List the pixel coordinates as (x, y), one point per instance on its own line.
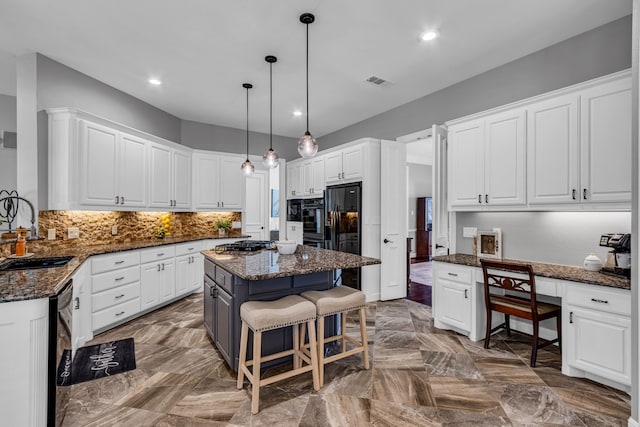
(31, 263)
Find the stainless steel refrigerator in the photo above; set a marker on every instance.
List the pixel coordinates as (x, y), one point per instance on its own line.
(343, 231)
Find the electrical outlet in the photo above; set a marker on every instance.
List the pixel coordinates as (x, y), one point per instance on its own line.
(73, 232)
(114, 230)
(51, 234)
(469, 231)
(236, 224)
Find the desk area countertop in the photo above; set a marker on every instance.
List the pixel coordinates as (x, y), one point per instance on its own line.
(554, 271)
(269, 264)
(21, 285)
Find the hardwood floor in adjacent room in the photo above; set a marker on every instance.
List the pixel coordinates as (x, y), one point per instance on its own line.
(419, 289)
(420, 376)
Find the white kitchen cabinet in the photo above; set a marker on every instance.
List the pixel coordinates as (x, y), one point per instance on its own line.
(605, 142)
(169, 178)
(217, 181)
(294, 231)
(112, 168)
(189, 268)
(452, 299)
(81, 331)
(344, 165)
(157, 276)
(316, 182)
(552, 151)
(487, 161)
(597, 334)
(295, 179)
(305, 178)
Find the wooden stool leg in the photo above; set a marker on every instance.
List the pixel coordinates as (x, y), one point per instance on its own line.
(320, 341)
(244, 335)
(364, 339)
(255, 392)
(297, 361)
(343, 330)
(313, 352)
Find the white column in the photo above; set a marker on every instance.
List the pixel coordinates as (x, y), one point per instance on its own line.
(27, 131)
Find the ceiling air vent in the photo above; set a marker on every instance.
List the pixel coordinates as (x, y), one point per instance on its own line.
(375, 80)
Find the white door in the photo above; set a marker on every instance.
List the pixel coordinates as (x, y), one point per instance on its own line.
(256, 206)
(440, 214)
(393, 220)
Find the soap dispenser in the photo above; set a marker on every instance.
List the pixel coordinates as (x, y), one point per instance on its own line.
(21, 246)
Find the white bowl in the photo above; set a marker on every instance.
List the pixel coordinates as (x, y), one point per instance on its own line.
(592, 263)
(286, 247)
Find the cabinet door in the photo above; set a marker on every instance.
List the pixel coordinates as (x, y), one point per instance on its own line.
(99, 165)
(132, 171)
(181, 179)
(160, 179)
(206, 177)
(454, 304)
(352, 163)
(224, 325)
(306, 179)
(552, 151)
(605, 148)
(209, 308)
(333, 167)
(291, 178)
(183, 274)
(231, 183)
(294, 231)
(599, 343)
(150, 278)
(466, 169)
(317, 176)
(504, 159)
(167, 280)
(197, 267)
(81, 320)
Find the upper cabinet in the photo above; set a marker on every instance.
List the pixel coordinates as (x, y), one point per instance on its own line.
(567, 150)
(305, 178)
(218, 182)
(487, 161)
(169, 177)
(344, 165)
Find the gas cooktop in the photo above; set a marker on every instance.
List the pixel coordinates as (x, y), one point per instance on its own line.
(245, 245)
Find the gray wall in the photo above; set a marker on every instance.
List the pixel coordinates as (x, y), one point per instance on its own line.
(61, 86)
(554, 237)
(205, 136)
(595, 53)
(418, 185)
(8, 113)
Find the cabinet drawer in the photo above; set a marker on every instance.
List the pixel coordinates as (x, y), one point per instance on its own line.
(455, 273)
(104, 263)
(113, 279)
(115, 314)
(115, 296)
(156, 254)
(223, 279)
(599, 298)
(188, 248)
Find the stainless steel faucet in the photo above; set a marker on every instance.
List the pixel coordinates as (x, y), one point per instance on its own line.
(33, 233)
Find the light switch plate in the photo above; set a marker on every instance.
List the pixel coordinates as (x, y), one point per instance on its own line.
(469, 231)
(73, 232)
(114, 230)
(51, 234)
(236, 224)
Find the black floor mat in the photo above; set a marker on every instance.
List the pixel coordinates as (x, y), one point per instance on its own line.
(96, 361)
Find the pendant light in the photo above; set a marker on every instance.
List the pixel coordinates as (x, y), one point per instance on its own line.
(270, 158)
(247, 167)
(307, 145)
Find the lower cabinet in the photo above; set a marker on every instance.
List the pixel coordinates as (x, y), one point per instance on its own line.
(157, 283)
(452, 299)
(224, 318)
(294, 231)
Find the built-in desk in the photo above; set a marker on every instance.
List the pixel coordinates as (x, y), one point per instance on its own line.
(596, 314)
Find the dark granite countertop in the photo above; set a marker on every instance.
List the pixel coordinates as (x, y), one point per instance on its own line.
(21, 285)
(554, 271)
(269, 264)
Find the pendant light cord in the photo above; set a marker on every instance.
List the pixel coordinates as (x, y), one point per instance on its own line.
(307, 78)
(271, 106)
(247, 123)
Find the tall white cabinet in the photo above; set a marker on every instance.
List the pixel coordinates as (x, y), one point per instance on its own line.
(218, 182)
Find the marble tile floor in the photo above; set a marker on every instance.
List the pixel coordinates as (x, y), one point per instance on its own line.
(420, 376)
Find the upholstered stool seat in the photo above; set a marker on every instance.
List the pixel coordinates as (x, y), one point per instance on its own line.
(259, 316)
(339, 300)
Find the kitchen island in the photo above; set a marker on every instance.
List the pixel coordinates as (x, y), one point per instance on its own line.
(232, 278)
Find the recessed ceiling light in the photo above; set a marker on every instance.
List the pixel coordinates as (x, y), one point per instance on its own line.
(428, 35)
(297, 113)
(155, 82)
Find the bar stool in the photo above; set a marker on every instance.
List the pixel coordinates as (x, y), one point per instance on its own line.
(262, 316)
(339, 300)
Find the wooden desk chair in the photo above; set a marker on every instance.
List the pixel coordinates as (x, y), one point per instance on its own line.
(514, 294)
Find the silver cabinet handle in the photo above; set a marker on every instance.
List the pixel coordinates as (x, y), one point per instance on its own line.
(486, 198)
(119, 296)
(600, 301)
(190, 249)
(584, 193)
(76, 303)
(453, 274)
(120, 314)
(119, 278)
(222, 204)
(573, 194)
(122, 200)
(571, 317)
(163, 266)
(158, 267)
(119, 262)
(479, 198)
(117, 200)
(466, 296)
(160, 254)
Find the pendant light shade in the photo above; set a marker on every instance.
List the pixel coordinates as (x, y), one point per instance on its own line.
(247, 167)
(307, 145)
(270, 159)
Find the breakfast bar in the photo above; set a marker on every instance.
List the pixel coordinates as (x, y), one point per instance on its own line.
(232, 278)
